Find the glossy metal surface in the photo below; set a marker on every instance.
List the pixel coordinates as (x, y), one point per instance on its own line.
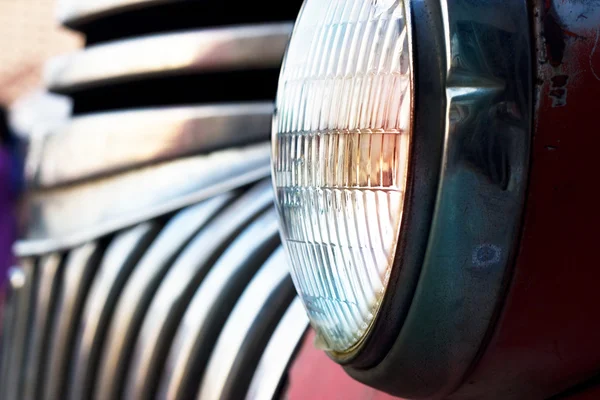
(231, 48)
(72, 12)
(50, 277)
(121, 256)
(274, 362)
(480, 199)
(66, 217)
(183, 278)
(230, 367)
(23, 284)
(16, 281)
(140, 288)
(210, 306)
(105, 143)
(17, 319)
(8, 318)
(80, 268)
(547, 338)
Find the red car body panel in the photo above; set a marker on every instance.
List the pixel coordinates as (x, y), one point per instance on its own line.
(549, 326)
(313, 375)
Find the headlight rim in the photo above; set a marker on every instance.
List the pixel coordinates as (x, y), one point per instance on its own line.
(448, 364)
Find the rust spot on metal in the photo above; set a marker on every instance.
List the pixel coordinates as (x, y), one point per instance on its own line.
(572, 34)
(559, 81)
(559, 97)
(555, 40)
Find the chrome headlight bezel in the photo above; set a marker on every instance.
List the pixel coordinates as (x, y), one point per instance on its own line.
(469, 159)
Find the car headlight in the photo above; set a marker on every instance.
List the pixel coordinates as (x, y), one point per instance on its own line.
(400, 155)
(342, 142)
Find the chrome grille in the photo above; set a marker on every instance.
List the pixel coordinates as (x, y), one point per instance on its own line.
(152, 225)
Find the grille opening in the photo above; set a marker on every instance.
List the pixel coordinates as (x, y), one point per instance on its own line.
(181, 15)
(210, 88)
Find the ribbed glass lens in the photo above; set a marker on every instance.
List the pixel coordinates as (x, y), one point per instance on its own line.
(340, 154)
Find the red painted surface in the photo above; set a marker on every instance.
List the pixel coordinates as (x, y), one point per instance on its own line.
(589, 394)
(314, 376)
(548, 336)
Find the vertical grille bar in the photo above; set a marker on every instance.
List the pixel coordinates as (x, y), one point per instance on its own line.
(80, 268)
(22, 287)
(50, 274)
(120, 258)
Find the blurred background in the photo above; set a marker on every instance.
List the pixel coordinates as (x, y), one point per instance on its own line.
(29, 35)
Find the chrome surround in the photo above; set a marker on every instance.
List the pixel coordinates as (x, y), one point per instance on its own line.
(75, 12)
(50, 275)
(120, 257)
(474, 230)
(69, 216)
(230, 48)
(273, 364)
(223, 378)
(105, 143)
(209, 307)
(80, 267)
(141, 285)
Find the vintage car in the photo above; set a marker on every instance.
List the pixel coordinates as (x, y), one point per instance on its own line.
(406, 206)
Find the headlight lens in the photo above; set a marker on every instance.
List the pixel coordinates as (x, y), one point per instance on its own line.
(340, 157)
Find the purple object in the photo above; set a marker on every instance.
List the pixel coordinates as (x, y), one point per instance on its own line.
(8, 224)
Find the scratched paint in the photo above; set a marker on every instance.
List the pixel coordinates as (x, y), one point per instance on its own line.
(569, 28)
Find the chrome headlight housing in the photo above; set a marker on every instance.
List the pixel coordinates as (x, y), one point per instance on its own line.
(400, 155)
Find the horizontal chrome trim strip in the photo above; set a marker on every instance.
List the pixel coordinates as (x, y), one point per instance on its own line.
(76, 12)
(227, 49)
(67, 217)
(105, 143)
